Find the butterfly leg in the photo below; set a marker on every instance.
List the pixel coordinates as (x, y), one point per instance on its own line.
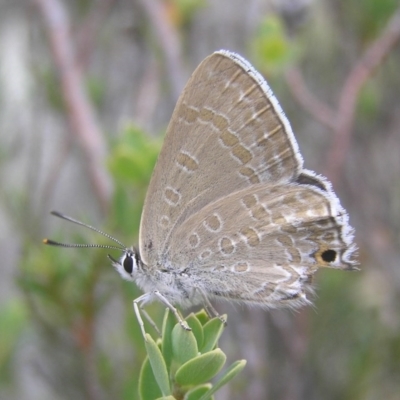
(211, 311)
(165, 301)
(150, 320)
(138, 307)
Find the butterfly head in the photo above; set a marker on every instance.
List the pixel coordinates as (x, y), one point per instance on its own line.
(127, 265)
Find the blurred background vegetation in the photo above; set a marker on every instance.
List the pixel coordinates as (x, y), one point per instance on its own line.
(86, 91)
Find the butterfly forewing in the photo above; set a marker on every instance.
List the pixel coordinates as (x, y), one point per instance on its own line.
(227, 133)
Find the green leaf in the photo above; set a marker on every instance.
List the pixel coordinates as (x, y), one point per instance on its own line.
(148, 387)
(168, 325)
(158, 365)
(228, 375)
(212, 332)
(166, 398)
(197, 392)
(202, 316)
(197, 329)
(184, 344)
(200, 369)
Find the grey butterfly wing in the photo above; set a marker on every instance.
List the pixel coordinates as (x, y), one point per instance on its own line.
(267, 240)
(227, 133)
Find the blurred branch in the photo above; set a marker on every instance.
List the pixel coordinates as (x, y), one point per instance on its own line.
(319, 110)
(341, 120)
(80, 112)
(361, 72)
(87, 34)
(169, 42)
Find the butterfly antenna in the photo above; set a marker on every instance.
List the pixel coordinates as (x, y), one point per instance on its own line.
(67, 218)
(100, 246)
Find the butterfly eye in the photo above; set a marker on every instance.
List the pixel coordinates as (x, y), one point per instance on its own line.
(329, 255)
(128, 264)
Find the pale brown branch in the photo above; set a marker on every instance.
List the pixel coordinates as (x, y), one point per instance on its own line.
(169, 42)
(319, 110)
(373, 57)
(79, 110)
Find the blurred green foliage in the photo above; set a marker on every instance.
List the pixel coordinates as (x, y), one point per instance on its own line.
(272, 50)
(94, 88)
(353, 348)
(67, 290)
(183, 11)
(13, 322)
(368, 17)
(131, 163)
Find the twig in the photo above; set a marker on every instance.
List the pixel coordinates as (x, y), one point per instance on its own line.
(341, 120)
(80, 112)
(362, 71)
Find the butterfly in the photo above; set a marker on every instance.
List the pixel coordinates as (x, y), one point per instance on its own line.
(230, 212)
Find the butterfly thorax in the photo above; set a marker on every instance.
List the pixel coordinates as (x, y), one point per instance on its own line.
(176, 285)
